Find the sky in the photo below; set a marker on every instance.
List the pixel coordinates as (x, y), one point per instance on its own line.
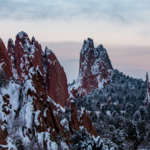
(122, 26)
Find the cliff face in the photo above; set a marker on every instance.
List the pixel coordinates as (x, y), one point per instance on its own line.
(26, 53)
(95, 69)
(55, 79)
(5, 62)
(28, 113)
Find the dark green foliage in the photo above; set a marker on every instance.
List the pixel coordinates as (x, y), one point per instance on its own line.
(118, 136)
(98, 104)
(147, 137)
(78, 138)
(141, 126)
(126, 115)
(59, 138)
(131, 130)
(3, 78)
(81, 140)
(19, 144)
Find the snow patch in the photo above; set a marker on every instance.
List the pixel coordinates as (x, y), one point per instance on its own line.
(36, 117)
(21, 34)
(65, 124)
(64, 146)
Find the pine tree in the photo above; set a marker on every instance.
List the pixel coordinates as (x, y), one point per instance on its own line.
(3, 80)
(19, 144)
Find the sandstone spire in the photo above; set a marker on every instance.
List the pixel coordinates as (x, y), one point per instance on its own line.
(147, 99)
(95, 69)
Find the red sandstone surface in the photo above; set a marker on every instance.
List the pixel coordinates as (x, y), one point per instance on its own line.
(5, 62)
(95, 69)
(84, 121)
(56, 79)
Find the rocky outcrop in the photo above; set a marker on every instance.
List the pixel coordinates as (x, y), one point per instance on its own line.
(30, 110)
(83, 121)
(74, 123)
(22, 48)
(87, 123)
(95, 69)
(11, 53)
(40, 106)
(56, 79)
(147, 98)
(27, 54)
(3, 136)
(36, 55)
(5, 63)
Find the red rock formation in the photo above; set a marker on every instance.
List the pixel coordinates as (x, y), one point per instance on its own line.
(56, 79)
(11, 53)
(42, 115)
(22, 48)
(2, 137)
(147, 99)
(28, 54)
(4, 60)
(3, 143)
(29, 102)
(87, 123)
(36, 54)
(84, 120)
(95, 69)
(74, 123)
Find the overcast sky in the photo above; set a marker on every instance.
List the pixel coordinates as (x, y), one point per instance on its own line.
(122, 26)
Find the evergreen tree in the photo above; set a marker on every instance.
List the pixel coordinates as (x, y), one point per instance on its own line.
(19, 144)
(98, 104)
(141, 125)
(3, 80)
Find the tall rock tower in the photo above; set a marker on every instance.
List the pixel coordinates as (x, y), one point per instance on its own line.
(147, 99)
(95, 69)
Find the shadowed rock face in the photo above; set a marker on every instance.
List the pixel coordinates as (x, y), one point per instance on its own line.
(84, 120)
(56, 79)
(5, 62)
(87, 123)
(95, 69)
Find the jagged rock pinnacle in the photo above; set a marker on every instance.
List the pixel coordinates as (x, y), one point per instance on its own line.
(95, 69)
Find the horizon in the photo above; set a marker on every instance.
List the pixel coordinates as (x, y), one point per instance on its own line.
(123, 27)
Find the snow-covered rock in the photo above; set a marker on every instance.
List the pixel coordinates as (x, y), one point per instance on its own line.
(94, 72)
